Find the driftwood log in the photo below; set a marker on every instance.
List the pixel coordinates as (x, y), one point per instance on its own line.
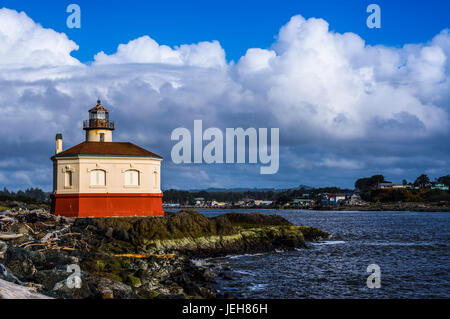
(8, 290)
(10, 236)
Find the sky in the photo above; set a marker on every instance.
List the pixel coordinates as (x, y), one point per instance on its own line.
(349, 101)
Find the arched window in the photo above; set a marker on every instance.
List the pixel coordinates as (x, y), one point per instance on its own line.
(68, 179)
(131, 178)
(98, 177)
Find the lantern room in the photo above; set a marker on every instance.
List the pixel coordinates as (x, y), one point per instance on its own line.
(98, 128)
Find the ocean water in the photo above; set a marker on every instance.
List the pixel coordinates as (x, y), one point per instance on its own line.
(411, 249)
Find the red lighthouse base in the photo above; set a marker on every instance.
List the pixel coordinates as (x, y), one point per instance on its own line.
(107, 205)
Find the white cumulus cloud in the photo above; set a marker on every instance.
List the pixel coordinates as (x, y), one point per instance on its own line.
(24, 43)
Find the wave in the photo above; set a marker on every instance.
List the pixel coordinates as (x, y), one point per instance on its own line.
(243, 272)
(329, 242)
(256, 287)
(243, 255)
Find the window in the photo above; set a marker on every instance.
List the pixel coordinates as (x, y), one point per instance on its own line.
(102, 137)
(155, 184)
(98, 177)
(101, 115)
(131, 178)
(68, 179)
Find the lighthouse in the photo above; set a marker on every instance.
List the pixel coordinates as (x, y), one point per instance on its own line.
(102, 178)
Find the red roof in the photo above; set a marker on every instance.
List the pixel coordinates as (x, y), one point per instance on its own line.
(107, 148)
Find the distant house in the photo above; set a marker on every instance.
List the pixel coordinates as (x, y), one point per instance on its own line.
(301, 202)
(199, 201)
(333, 199)
(390, 185)
(400, 186)
(172, 205)
(441, 187)
(356, 200)
(218, 204)
(385, 185)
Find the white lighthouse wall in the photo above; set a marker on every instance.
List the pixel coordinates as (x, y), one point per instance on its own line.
(94, 135)
(114, 167)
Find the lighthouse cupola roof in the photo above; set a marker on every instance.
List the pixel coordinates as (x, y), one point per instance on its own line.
(99, 107)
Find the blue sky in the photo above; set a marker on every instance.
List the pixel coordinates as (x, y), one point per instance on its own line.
(349, 101)
(237, 24)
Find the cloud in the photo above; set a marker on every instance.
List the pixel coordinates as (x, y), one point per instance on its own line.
(342, 106)
(25, 43)
(147, 50)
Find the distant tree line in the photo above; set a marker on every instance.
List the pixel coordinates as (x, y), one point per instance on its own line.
(368, 188)
(30, 195)
(280, 196)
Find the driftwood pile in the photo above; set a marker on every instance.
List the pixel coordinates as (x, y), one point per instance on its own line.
(37, 228)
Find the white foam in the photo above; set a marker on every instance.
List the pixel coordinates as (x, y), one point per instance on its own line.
(255, 287)
(244, 255)
(329, 242)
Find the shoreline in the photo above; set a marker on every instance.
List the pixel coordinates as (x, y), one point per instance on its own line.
(388, 207)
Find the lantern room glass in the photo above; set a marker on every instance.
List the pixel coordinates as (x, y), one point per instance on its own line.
(98, 115)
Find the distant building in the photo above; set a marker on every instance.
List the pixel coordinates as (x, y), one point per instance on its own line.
(333, 199)
(400, 186)
(441, 187)
(356, 200)
(172, 205)
(385, 185)
(392, 186)
(199, 201)
(301, 202)
(218, 204)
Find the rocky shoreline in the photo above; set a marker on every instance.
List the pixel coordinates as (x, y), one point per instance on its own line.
(132, 257)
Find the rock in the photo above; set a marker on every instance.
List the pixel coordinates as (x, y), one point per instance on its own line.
(226, 275)
(100, 285)
(107, 294)
(58, 258)
(255, 219)
(228, 295)
(109, 232)
(121, 234)
(3, 271)
(134, 281)
(208, 275)
(20, 254)
(49, 278)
